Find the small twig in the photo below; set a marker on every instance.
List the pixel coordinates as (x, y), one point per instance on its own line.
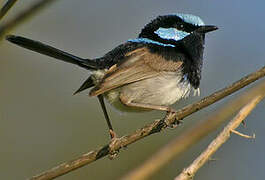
(6, 7)
(213, 159)
(152, 128)
(188, 173)
(243, 135)
(23, 16)
(193, 135)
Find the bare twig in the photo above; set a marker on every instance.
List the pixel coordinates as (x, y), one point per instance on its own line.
(6, 7)
(23, 16)
(188, 173)
(243, 135)
(154, 127)
(193, 135)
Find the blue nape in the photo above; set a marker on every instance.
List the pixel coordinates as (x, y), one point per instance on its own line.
(192, 19)
(149, 41)
(171, 34)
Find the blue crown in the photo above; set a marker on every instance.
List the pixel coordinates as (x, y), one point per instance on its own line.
(192, 19)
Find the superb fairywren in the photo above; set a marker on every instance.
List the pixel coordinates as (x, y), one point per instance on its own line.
(150, 72)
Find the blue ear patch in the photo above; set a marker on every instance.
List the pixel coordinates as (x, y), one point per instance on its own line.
(171, 34)
(192, 19)
(149, 41)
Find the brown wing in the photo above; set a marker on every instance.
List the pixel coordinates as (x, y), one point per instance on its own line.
(140, 64)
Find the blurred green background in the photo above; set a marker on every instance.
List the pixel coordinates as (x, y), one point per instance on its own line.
(42, 124)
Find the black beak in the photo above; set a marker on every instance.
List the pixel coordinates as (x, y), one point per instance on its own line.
(206, 29)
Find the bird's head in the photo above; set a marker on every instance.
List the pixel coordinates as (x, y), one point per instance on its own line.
(170, 29)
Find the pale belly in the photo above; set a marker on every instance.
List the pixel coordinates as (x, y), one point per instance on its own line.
(164, 90)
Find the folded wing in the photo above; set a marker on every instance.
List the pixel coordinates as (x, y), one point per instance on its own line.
(139, 64)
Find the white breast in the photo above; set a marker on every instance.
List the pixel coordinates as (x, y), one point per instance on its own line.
(165, 89)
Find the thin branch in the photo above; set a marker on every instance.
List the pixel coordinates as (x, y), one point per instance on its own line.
(188, 173)
(193, 135)
(24, 15)
(243, 135)
(152, 128)
(6, 8)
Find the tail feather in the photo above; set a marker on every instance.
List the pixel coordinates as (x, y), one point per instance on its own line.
(52, 52)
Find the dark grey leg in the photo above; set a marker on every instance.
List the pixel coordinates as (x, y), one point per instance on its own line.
(102, 103)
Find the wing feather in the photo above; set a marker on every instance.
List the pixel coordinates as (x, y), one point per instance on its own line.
(139, 65)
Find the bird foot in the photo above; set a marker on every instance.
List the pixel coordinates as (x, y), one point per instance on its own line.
(171, 119)
(176, 124)
(114, 140)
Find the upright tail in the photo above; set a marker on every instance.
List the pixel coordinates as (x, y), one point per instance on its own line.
(52, 52)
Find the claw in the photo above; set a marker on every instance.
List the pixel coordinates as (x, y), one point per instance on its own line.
(175, 125)
(114, 139)
(171, 119)
(112, 134)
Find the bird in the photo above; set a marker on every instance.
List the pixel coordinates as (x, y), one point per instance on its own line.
(151, 72)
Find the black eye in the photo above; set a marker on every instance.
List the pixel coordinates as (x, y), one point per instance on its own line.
(180, 27)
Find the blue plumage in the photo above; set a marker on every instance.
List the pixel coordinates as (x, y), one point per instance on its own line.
(149, 41)
(192, 19)
(171, 34)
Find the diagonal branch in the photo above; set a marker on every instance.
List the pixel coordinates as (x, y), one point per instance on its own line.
(188, 173)
(193, 135)
(149, 129)
(24, 15)
(6, 8)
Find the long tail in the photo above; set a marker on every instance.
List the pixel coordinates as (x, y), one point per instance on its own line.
(53, 52)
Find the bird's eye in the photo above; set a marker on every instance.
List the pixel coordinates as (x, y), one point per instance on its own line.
(180, 26)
